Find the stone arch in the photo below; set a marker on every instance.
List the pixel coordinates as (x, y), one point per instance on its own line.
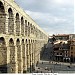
(18, 55)
(26, 40)
(26, 27)
(27, 54)
(17, 24)
(11, 42)
(34, 30)
(3, 55)
(17, 42)
(33, 55)
(2, 18)
(23, 53)
(10, 21)
(12, 56)
(22, 26)
(31, 28)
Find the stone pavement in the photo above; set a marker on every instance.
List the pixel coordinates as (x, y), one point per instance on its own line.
(54, 67)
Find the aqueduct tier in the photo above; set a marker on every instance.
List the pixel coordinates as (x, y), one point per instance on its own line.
(21, 39)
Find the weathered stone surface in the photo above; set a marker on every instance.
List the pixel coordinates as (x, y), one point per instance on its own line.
(21, 39)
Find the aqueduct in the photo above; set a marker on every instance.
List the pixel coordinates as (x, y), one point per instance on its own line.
(21, 39)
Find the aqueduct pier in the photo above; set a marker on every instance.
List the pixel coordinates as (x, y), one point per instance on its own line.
(21, 39)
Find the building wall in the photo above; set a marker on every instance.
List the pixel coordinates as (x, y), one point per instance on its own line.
(72, 50)
(21, 39)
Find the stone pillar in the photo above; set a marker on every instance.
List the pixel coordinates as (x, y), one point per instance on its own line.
(16, 59)
(29, 57)
(34, 53)
(23, 55)
(6, 24)
(12, 59)
(24, 28)
(14, 25)
(25, 59)
(20, 27)
(8, 59)
(21, 60)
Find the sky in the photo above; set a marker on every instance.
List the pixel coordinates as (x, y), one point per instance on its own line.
(53, 16)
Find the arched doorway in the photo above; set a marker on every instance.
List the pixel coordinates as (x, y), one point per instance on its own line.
(12, 56)
(18, 55)
(10, 21)
(17, 25)
(3, 56)
(2, 18)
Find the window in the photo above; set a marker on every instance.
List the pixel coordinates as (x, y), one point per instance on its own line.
(66, 54)
(71, 52)
(60, 53)
(71, 48)
(57, 53)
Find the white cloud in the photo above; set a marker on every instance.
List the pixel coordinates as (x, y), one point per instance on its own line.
(63, 2)
(54, 16)
(46, 16)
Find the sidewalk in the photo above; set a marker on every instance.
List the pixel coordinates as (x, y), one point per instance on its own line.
(54, 62)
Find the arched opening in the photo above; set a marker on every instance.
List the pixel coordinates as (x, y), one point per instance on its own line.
(33, 68)
(22, 26)
(30, 57)
(17, 25)
(27, 54)
(3, 56)
(26, 27)
(18, 55)
(2, 18)
(31, 29)
(10, 22)
(11, 42)
(12, 56)
(23, 54)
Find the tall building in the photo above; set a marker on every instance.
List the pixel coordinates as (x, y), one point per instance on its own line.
(21, 39)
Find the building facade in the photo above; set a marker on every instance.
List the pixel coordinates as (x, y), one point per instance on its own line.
(21, 39)
(64, 50)
(62, 37)
(72, 50)
(61, 51)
